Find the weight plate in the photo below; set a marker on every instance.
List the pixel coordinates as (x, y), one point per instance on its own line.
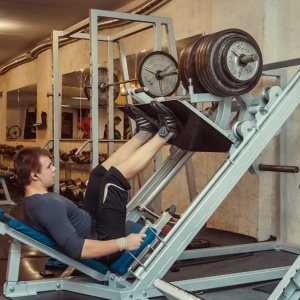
(235, 86)
(218, 63)
(202, 69)
(221, 83)
(215, 72)
(186, 67)
(103, 88)
(181, 68)
(236, 70)
(198, 86)
(158, 71)
(14, 132)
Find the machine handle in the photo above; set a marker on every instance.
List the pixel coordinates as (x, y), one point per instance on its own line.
(278, 168)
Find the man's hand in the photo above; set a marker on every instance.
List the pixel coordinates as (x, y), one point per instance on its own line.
(134, 241)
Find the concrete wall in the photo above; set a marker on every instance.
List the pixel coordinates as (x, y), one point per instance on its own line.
(251, 208)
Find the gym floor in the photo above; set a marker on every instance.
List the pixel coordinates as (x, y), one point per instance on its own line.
(33, 262)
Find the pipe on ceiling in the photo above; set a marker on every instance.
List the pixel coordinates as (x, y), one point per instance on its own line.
(28, 56)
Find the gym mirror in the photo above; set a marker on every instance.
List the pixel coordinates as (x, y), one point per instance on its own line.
(21, 113)
(75, 102)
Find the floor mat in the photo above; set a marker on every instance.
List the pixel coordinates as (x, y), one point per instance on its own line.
(267, 288)
(193, 262)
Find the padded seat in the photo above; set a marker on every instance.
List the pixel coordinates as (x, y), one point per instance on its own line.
(120, 266)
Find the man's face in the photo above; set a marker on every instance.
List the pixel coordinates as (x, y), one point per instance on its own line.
(47, 173)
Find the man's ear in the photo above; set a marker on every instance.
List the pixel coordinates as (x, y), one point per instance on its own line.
(34, 176)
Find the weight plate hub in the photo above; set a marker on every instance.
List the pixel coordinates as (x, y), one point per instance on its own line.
(225, 63)
(103, 87)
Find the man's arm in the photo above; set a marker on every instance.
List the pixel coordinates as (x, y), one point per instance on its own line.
(60, 229)
(95, 248)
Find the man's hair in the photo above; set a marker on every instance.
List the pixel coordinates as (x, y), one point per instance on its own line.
(117, 118)
(27, 160)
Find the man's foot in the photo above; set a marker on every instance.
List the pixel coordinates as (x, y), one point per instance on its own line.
(143, 121)
(169, 126)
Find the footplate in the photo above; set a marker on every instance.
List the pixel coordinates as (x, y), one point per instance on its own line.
(197, 134)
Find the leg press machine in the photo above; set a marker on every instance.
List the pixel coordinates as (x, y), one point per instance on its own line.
(140, 275)
(158, 254)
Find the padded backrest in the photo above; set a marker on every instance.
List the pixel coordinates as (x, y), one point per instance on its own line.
(120, 266)
(46, 240)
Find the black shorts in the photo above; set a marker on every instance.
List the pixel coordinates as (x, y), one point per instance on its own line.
(105, 199)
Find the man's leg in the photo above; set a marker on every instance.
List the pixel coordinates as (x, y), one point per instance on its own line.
(114, 185)
(111, 214)
(169, 127)
(141, 158)
(147, 127)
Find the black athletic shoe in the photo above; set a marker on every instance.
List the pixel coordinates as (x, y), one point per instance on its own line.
(143, 121)
(168, 122)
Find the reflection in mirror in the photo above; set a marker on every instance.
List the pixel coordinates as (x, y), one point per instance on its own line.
(21, 112)
(75, 105)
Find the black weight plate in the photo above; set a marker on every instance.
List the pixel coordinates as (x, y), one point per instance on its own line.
(181, 68)
(187, 67)
(236, 87)
(198, 64)
(228, 87)
(251, 82)
(221, 82)
(202, 58)
(211, 75)
(198, 86)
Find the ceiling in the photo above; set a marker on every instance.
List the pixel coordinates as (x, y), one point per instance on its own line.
(26, 23)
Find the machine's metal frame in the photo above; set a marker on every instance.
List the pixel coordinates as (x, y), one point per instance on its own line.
(8, 200)
(256, 133)
(238, 162)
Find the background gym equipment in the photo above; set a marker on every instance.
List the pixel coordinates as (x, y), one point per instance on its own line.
(8, 200)
(103, 85)
(14, 132)
(67, 156)
(74, 190)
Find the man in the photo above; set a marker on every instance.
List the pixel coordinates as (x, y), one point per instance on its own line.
(117, 134)
(98, 231)
(85, 126)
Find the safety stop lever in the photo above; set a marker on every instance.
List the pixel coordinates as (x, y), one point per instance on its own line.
(161, 221)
